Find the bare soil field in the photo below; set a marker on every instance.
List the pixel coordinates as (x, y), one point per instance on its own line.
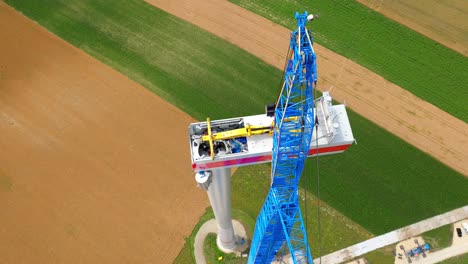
(94, 168)
(391, 107)
(443, 21)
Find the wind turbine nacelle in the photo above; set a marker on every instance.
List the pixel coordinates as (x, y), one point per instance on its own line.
(333, 135)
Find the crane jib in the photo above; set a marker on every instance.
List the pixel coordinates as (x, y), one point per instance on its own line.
(280, 224)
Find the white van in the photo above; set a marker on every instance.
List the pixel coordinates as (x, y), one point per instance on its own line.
(465, 226)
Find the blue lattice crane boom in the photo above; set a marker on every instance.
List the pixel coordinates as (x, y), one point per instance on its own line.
(282, 136)
(280, 221)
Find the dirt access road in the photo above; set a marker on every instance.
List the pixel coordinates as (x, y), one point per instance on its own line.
(443, 21)
(391, 107)
(93, 167)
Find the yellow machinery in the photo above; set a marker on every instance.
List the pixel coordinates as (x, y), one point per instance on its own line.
(246, 131)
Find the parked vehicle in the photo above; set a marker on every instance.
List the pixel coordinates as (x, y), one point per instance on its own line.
(418, 250)
(465, 226)
(459, 232)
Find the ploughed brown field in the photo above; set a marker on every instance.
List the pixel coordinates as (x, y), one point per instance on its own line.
(94, 168)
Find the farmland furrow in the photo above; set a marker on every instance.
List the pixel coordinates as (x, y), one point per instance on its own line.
(87, 174)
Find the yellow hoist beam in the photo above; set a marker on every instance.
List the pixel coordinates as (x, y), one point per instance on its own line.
(210, 138)
(247, 131)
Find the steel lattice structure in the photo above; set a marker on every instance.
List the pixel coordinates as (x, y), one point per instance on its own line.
(280, 221)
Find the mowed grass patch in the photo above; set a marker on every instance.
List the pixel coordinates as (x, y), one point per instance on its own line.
(424, 67)
(382, 183)
(383, 255)
(214, 255)
(439, 238)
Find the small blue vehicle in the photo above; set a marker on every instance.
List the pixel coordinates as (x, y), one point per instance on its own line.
(418, 250)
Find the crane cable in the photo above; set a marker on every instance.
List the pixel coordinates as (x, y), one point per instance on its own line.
(318, 182)
(318, 195)
(318, 186)
(317, 163)
(317, 158)
(282, 83)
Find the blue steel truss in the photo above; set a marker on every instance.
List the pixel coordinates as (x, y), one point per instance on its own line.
(279, 225)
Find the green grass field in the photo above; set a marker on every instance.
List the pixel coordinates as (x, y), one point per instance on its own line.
(463, 259)
(382, 255)
(212, 253)
(424, 67)
(382, 183)
(439, 238)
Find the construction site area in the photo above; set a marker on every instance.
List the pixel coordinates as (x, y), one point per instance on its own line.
(234, 131)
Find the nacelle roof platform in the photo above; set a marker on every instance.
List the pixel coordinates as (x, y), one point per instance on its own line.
(333, 135)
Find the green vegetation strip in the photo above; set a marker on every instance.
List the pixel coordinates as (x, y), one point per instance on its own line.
(424, 67)
(382, 183)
